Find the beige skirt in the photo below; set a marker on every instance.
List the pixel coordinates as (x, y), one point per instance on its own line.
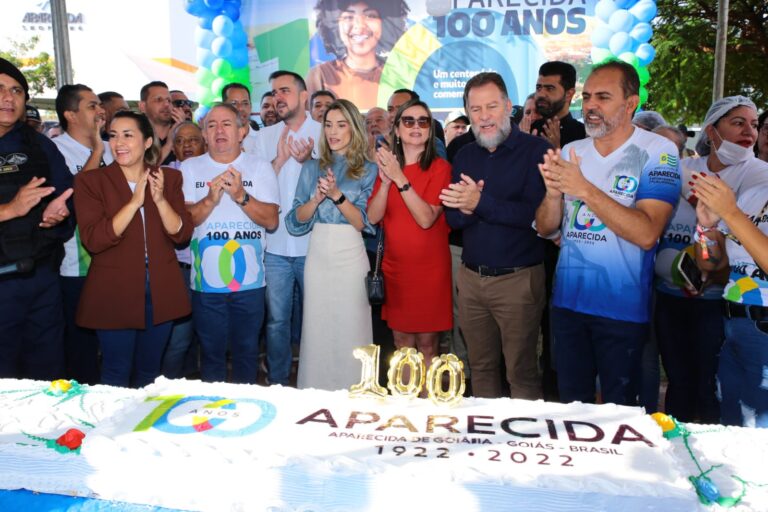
(337, 316)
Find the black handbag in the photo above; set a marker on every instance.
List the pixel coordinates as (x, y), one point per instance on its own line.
(374, 281)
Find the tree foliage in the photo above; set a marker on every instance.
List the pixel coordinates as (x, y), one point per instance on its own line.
(682, 72)
(39, 69)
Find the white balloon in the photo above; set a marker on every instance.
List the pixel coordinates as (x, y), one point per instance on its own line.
(438, 7)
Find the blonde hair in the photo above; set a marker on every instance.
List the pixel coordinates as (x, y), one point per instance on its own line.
(357, 151)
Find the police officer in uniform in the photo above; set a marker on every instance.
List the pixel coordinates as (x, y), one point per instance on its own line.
(35, 188)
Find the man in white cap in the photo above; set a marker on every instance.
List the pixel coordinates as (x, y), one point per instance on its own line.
(456, 124)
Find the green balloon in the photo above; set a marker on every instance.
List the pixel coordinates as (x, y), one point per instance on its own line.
(600, 54)
(205, 96)
(630, 58)
(221, 67)
(643, 95)
(645, 76)
(204, 77)
(242, 75)
(217, 85)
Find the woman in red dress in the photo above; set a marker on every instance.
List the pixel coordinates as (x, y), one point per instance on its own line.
(417, 261)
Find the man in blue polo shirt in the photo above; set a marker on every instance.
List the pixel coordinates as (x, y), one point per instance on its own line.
(610, 196)
(496, 190)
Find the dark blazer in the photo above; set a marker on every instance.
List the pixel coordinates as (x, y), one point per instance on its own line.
(114, 290)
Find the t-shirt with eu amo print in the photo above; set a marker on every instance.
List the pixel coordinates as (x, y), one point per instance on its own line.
(598, 272)
(747, 282)
(228, 247)
(76, 259)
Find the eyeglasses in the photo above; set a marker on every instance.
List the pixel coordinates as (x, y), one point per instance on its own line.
(244, 103)
(409, 121)
(180, 141)
(182, 103)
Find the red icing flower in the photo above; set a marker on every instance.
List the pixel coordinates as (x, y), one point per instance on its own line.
(72, 439)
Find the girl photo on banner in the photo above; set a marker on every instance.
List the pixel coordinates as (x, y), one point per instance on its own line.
(359, 35)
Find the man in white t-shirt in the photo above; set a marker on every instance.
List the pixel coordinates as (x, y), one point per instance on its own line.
(233, 198)
(239, 96)
(81, 117)
(287, 144)
(610, 196)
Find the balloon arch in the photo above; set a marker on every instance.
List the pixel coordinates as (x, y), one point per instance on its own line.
(622, 32)
(222, 49)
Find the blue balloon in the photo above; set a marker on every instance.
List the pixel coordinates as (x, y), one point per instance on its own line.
(203, 38)
(644, 11)
(621, 21)
(625, 4)
(195, 7)
(222, 26)
(205, 58)
(231, 10)
(221, 47)
(238, 36)
(214, 4)
(620, 42)
(239, 57)
(205, 22)
(201, 112)
(601, 36)
(604, 9)
(707, 488)
(645, 53)
(641, 32)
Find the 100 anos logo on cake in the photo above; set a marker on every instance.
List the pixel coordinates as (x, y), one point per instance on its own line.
(224, 417)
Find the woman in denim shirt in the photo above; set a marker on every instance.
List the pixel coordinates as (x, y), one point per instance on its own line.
(331, 199)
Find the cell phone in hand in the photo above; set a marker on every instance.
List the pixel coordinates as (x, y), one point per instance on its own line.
(690, 272)
(381, 141)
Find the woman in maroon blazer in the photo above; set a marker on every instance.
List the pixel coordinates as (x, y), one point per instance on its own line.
(130, 214)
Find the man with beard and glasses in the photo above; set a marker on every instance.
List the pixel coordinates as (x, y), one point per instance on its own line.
(610, 196)
(496, 190)
(555, 88)
(179, 100)
(287, 144)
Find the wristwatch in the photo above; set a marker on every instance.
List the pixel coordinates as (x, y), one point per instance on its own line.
(405, 187)
(245, 200)
(340, 200)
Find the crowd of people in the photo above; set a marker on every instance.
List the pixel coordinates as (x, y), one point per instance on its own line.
(558, 258)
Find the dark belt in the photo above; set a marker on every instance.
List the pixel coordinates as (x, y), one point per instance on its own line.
(734, 310)
(183, 265)
(486, 271)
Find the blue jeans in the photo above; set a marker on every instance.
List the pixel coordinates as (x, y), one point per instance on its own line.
(282, 274)
(743, 373)
(690, 334)
(81, 345)
(182, 335)
(32, 325)
(132, 357)
(587, 346)
(236, 317)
